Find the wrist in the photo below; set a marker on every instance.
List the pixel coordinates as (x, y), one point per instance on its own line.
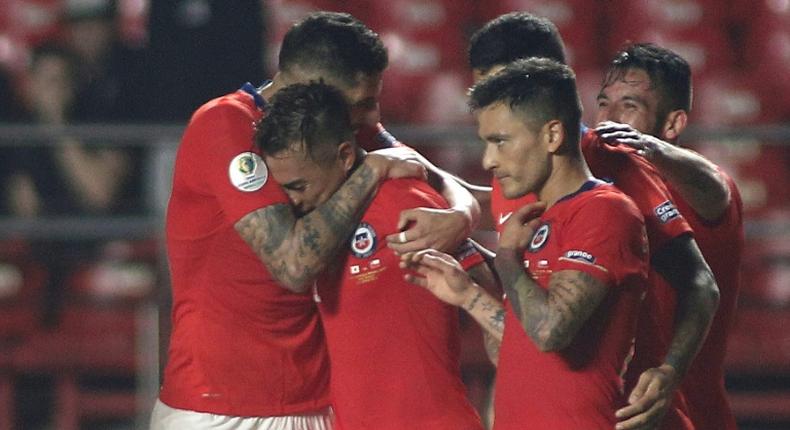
(376, 166)
(670, 371)
(471, 297)
(508, 253)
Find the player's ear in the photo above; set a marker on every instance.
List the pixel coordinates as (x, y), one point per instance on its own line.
(553, 135)
(674, 124)
(347, 155)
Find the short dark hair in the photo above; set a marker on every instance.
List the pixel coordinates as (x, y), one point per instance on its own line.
(669, 74)
(540, 87)
(514, 36)
(336, 44)
(314, 115)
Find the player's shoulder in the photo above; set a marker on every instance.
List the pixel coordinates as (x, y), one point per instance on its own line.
(606, 200)
(227, 106)
(408, 193)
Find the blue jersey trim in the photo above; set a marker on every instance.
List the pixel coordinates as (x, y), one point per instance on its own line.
(250, 89)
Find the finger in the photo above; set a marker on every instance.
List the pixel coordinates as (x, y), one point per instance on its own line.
(437, 263)
(640, 388)
(608, 125)
(528, 212)
(632, 410)
(645, 420)
(399, 237)
(618, 134)
(533, 224)
(405, 218)
(648, 397)
(416, 280)
(410, 246)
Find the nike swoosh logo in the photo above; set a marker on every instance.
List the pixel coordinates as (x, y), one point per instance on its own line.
(504, 217)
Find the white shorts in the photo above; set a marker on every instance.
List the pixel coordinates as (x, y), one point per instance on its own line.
(164, 417)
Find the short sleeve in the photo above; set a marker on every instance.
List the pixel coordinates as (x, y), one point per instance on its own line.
(606, 239)
(642, 183)
(225, 163)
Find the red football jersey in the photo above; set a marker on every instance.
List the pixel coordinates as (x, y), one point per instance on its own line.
(394, 347)
(501, 207)
(598, 231)
(721, 243)
(644, 185)
(240, 345)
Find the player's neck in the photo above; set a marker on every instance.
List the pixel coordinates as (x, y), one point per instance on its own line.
(567, 176)
(270, 90)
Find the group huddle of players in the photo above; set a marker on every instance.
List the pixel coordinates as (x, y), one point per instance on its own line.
(317, 263)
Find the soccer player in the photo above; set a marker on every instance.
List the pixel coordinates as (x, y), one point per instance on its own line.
(333, 47)
(394, 349)
(574, 284)
(662, 355)
(647, 92)
(247, 348)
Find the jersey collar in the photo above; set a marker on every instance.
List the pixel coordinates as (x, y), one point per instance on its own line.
(250, 89)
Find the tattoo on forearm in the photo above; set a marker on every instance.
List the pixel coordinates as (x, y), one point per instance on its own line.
(695, 315)
(550, 317)
(297, 250)
(470, 307)
(492, 345)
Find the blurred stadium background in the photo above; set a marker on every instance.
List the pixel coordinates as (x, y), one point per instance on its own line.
(83, 278)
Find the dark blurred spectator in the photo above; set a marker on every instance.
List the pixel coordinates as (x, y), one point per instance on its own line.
(202, 49)
(70, 178)
(111, 85)
(67, 179)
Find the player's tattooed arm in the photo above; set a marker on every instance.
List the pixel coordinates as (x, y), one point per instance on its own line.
(552, 317)
(296, 250)
(681, 263)
(443, 276)
(492, 343)
(695, 178)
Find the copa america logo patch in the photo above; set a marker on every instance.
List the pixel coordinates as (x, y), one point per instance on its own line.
(363, 244)
(248, 172)
(539, 238)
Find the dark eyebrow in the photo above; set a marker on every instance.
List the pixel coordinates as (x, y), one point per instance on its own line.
(496, 136)
(636, 99)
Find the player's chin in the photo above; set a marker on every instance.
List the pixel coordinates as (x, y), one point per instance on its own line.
(512, 189)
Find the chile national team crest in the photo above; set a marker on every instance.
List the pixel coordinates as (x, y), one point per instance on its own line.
(539, 238)
(363, 244)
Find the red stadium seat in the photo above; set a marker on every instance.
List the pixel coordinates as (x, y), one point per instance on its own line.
(732, 99)
(695, 29)
(444, 99)
(766, 46)
(760, 342)
(438, 24)
(282, 14)
(763, 406)
(21, 306)
(96, 336)
(766, 265)
(578, 21)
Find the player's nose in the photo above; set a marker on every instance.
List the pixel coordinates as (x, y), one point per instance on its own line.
(489, 161)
